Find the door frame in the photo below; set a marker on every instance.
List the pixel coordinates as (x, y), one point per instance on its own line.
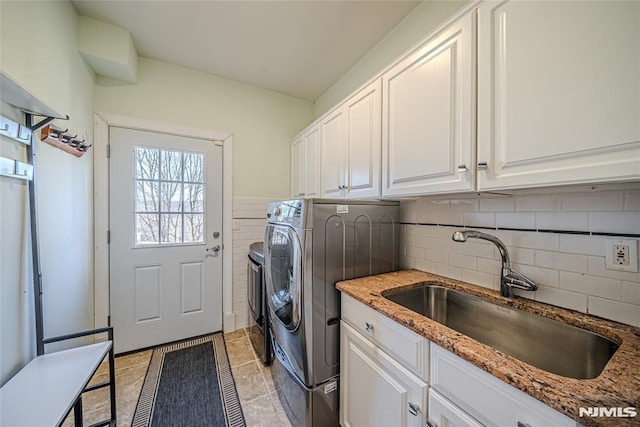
(101, 123)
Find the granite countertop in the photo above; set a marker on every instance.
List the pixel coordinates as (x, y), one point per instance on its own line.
(617, 386)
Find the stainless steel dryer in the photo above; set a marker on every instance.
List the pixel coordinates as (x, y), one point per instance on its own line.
(310, 244)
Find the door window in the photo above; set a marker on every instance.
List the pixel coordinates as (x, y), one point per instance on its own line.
(283, 276)
(169, 197)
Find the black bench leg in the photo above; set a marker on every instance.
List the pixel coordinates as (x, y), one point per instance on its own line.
(77, 412)
(112, 380)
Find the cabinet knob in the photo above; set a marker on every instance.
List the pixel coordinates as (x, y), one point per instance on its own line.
(368, 327)
(483, 165)
(414, 409)
(462, 167)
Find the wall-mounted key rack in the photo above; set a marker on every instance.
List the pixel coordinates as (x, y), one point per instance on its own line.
(64, 140)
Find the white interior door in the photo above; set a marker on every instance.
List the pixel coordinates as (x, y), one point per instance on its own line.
(165, 251)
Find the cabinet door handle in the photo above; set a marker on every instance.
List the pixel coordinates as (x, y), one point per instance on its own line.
(414, 409)
(521, 424)
(483, 165)
(368, 327)
(431, 424)
(462, 167)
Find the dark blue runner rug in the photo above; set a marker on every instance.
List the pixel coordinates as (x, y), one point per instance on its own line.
(189, 384)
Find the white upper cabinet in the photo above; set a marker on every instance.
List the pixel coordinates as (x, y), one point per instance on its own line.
(558, 93)
(351, 139)
(428, 135)
(297, 167)
(305, 163)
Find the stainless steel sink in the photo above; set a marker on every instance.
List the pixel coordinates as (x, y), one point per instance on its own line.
(544, 343)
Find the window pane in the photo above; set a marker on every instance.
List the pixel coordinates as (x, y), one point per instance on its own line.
(193, 167)
(170, 196)
(193, 228)
(147, 199)
(193, 197)
(147, 229)
(171, 166)
(171, 228)
(147, 163)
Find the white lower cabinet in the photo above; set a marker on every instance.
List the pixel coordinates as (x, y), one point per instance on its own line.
(375, 390)
(391, 376)
(484, 397)
(443, 413)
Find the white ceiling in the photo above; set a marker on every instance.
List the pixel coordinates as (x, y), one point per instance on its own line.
(296, 47)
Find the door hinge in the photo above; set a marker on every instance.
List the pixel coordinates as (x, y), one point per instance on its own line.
(108, 236)
(109, 320)
(108, 150)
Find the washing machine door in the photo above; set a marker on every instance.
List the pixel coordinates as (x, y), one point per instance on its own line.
(283, 274)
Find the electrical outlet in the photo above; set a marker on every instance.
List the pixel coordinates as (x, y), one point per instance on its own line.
(621, 255)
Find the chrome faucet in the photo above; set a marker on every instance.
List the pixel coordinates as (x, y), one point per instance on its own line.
(509, 278)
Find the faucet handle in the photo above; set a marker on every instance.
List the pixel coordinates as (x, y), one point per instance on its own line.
(518, 280)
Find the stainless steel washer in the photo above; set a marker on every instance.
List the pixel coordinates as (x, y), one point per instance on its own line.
(310, 244)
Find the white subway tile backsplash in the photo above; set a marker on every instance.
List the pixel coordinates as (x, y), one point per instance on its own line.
(498, 204)
(584, 245)
(544, 241)
(407, 262)
(437, 205)
(571, 221)
(463, 261)
(436, 256)
(463, 205)
(424, 265)
(515, 220)
(478, 278)
(614, 222)
(483, 250)
(450, 218)
(538, 203)
(540, 275)
(561, 297)
(415, 252)
(597, 268)
(591, 285)
(632, 200)
(614, 310)
(519, 255)
(450, 271)
(569, 268)
(479, 219)
(596, 201)
(631, 293)
(491, 266)
(560, 261)
(408, 209)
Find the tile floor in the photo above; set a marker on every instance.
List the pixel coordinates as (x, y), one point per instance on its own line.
(256, 389)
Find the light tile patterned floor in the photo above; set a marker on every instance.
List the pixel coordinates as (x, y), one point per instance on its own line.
(256, 389)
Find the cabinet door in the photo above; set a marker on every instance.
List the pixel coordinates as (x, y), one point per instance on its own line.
(444, 413)
(334, 146)
(364, 142)
(312, 162)
(297, 167)
(374, 389)
(558, 92)
(427, 116)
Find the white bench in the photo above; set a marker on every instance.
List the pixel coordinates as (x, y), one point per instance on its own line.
(44, 391)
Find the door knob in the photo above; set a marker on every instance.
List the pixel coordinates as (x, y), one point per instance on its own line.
(215, 248)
